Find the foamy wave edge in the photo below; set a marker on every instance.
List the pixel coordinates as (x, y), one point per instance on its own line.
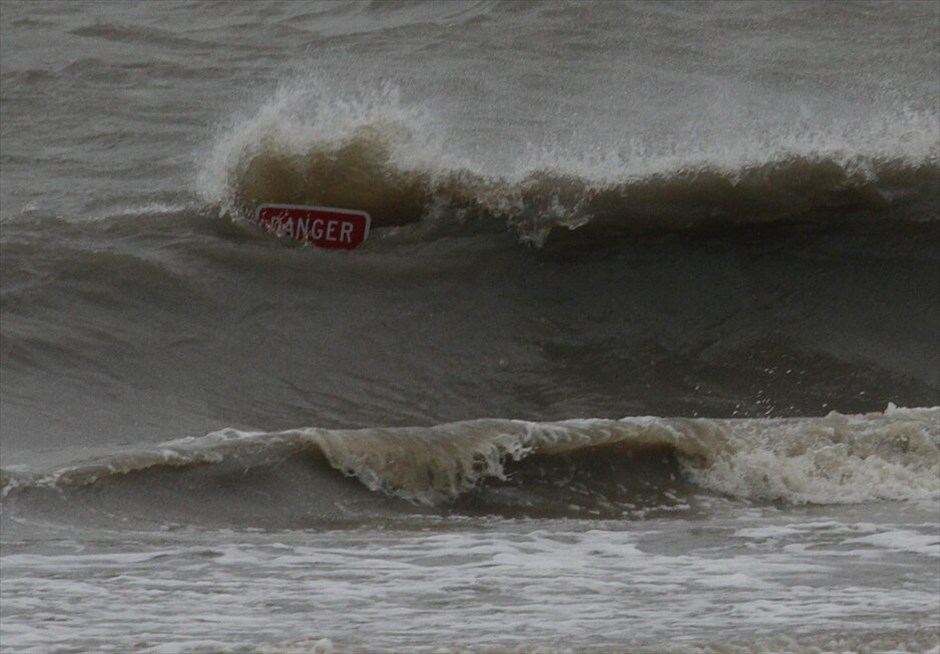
(311, 142)
(835, 459)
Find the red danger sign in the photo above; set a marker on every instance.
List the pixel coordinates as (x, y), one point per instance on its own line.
(324, 227)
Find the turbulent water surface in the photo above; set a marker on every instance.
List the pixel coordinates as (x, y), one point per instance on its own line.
(642, 353)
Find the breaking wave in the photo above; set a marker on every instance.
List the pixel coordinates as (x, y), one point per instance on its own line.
(572, 468)
(380, 155)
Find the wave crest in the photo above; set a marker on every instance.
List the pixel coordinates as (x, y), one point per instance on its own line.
(361, 173)
(376, 153)
(894, 455)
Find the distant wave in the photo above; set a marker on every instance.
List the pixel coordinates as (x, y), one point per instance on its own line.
(603, 467)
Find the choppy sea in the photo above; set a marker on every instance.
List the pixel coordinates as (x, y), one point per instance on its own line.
(642, 353)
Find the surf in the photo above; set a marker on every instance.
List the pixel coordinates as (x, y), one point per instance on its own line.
(587, 468)
(310, 144)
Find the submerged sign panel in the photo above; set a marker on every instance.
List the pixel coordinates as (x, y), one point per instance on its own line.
(324, 227)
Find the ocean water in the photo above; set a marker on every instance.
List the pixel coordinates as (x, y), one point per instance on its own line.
(642, 352)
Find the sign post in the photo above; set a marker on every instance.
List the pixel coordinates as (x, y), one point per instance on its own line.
(323, 227)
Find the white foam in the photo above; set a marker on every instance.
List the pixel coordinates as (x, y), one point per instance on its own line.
(893, 455)
(307, 111)
(894, 131)
(835, 459)
(903, 540)
(499, 585)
